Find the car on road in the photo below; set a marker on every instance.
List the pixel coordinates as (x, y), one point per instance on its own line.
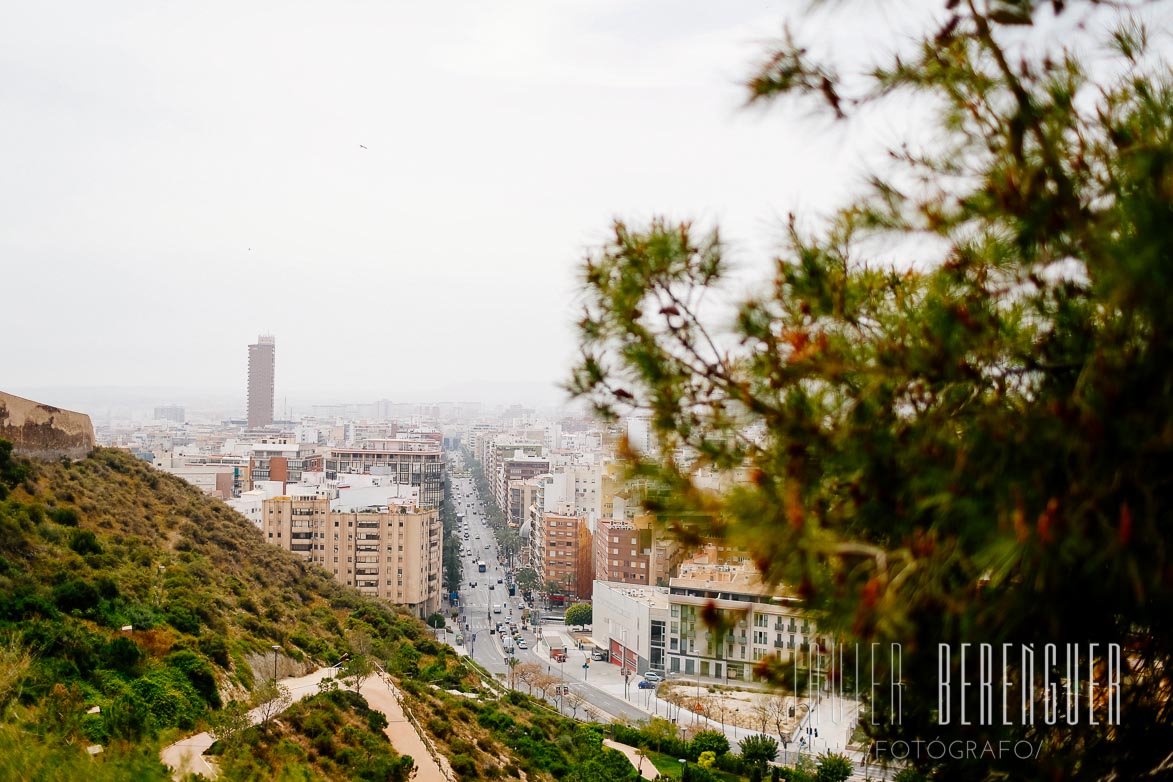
(647, 685)
(652, 676)
(492, 586)
(472, 584)
(500, 581)
(521, 644)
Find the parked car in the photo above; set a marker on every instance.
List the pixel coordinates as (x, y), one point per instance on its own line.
(652, 676)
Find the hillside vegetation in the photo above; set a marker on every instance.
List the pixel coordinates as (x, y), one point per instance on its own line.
(92, 547)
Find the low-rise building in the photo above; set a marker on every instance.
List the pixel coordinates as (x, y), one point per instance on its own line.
(630, 622)
(216, 475)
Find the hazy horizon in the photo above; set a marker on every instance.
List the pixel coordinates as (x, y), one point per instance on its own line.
(400, 194)
(99, 401)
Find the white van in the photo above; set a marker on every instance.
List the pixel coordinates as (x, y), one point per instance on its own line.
(496, 609)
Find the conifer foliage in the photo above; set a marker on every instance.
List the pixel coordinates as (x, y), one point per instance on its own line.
(970, 443)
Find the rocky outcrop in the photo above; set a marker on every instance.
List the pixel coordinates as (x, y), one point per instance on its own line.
(43, 431)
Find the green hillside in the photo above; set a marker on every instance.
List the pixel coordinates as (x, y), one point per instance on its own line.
(90, 547)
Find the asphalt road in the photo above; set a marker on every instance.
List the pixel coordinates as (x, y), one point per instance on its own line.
(476, 606)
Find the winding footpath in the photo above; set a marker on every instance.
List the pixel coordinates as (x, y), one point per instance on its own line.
(187, 755)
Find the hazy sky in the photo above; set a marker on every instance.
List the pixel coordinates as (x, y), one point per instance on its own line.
(181, 176)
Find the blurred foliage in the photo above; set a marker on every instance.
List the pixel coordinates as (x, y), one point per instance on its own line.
(946, 418)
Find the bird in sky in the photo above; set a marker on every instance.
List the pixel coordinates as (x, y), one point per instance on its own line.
(363, 146)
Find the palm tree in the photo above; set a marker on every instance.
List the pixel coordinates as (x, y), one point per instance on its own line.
(512, 662)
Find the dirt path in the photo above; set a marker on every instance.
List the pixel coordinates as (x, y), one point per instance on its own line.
(187, 755)
(646, 769)
(382, 695)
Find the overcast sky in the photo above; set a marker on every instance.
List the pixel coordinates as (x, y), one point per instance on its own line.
(180, 177)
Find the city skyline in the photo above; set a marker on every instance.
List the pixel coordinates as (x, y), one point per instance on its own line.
(401, 199)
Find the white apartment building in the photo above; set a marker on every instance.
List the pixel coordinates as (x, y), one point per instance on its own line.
(413, 462)
(763, 621)
(216, 475)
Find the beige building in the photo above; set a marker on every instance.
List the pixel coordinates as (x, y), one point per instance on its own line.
(392, 552)
(523, 495)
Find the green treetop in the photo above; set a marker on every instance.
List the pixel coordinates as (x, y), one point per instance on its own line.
(947, 417)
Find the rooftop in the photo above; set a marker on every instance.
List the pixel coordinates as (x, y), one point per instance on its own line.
(656, 597)
(391, 445)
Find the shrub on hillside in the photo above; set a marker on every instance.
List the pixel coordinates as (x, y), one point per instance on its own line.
(83, 541)
(76, 595)
(123, 655)
(66, 517)
(199, 672)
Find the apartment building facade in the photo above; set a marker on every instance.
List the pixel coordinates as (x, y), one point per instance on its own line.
(283, 461)
(563, 557)
(623, 551)
(761, 622)
(407, 461)
(518, 468)
(391, 552)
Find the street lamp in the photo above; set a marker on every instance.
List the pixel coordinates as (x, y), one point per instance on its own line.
(276, 648)
(683, 770)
